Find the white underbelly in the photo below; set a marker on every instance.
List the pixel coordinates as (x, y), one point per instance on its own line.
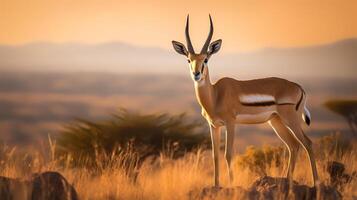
(255, 118)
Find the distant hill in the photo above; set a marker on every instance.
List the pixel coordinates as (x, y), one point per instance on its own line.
(337, 59)
(117, 57)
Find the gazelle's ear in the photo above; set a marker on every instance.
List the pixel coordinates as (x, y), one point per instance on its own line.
(214, 47)
(180, 48)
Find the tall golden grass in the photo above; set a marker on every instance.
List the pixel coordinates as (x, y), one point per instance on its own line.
(162, 177)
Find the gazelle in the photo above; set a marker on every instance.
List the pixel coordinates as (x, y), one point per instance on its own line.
(228, 102)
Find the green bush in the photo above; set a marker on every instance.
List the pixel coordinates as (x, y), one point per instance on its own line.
(144, 135)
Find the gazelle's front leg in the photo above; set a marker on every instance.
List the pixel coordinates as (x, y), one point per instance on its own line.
(229, 148)
(215, 138)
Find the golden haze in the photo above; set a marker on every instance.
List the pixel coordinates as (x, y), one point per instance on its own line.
(243, 25)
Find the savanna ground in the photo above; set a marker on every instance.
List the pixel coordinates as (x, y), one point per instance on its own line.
(121, 174)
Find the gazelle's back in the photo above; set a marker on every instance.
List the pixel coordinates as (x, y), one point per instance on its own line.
(284, 91)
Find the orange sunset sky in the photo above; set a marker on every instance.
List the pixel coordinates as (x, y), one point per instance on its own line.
(243, 25)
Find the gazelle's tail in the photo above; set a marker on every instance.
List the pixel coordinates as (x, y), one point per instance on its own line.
(306, 116)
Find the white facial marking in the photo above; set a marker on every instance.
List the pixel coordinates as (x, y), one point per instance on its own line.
(254, 98)
(193, 64)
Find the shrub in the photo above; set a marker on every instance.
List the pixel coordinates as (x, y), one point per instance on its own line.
(144, 135)
(258, 160)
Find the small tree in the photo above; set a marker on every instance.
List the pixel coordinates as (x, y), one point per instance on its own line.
(347, 109)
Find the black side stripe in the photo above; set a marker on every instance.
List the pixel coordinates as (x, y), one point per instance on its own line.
(299, 102)
(262, 103)
(282, 104)
(265, 103)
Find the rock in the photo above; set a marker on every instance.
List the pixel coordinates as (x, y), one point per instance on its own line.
(47, 185)
(279, 188)
(52, 185)
(335, 169)
(267, 188)
(337, 174)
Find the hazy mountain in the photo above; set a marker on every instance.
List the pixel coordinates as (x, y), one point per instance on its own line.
(118, 57)
(331, 60)
(337, 59)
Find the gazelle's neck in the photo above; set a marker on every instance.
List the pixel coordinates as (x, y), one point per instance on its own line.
(205, 94)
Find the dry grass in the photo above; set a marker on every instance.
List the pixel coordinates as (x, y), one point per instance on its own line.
(161, 178)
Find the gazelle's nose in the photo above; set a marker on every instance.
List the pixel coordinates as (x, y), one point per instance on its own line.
(196, 76)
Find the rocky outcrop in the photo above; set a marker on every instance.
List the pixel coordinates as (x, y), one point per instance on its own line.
(42, 186)
(268, 188)
(338, 177)
(52, 185)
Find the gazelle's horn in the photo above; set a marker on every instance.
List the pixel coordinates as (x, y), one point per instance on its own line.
(188, 40)
(205, 46)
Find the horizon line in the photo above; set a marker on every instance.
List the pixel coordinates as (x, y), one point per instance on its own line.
(39, 42)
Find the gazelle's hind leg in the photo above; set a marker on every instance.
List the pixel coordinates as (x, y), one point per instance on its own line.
(292, 122)
(289, 140)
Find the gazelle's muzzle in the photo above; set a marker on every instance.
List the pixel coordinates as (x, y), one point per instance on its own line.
(197, 76)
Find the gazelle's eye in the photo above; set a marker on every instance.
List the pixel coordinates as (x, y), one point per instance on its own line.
(206, 61)
(189, 61)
